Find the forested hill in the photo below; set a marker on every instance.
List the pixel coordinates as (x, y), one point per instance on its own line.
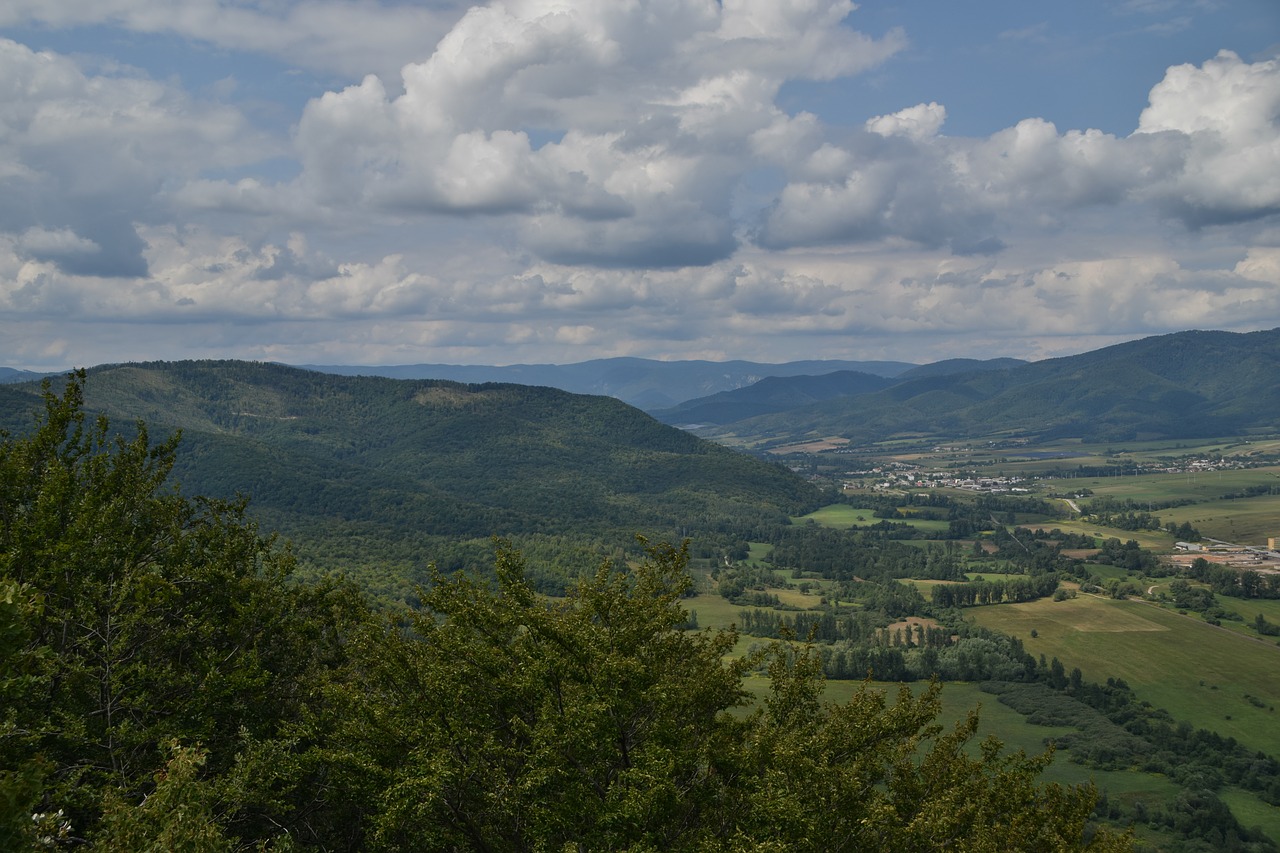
(771, 394)
(1183, 385)
(784, 392)
(331, 459)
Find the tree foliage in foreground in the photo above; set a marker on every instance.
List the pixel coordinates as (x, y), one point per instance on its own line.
(164, 685)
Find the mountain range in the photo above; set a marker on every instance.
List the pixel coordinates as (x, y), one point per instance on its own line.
(645, 383)
(387, 469)
(785, 393)
(1182, 385)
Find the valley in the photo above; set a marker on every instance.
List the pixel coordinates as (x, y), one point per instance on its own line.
(1114, 596)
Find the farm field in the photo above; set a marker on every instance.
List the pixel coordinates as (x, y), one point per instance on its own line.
(1246, 521)
(1247, 609)
(1197, 672)
(1250, 608)
(1223, 678)
(996, 576)
(843, 516)
(1162, 487)
(1150, 539)
(1131, 634)
(1013, 730)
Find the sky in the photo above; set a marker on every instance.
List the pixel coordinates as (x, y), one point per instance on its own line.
(551, 181)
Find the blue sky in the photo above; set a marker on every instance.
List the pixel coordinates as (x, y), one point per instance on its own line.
(559, 180)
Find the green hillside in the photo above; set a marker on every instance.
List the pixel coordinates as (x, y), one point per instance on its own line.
(771, 394)
(327, 458)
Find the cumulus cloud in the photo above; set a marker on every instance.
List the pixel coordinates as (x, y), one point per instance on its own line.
(622, 135)
(894, 184)
(1207, 150)
(918, 122)
(87, 156)
(543, 173)
(1224, 118)
(651, 108)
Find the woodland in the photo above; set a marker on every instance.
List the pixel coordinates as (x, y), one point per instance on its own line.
(168, 682)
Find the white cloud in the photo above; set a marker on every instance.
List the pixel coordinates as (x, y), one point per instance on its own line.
(43, 243)
(89, 155)
(1207, 150)
(918, 122)
(349, 37)
(550, 177)
(652, 109)
(1225, 118)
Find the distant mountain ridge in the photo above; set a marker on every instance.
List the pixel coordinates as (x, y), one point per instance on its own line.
(769, 395)
(9, 375)
(1186, 384)
(952, 366)
(645, 383)
(784, 393)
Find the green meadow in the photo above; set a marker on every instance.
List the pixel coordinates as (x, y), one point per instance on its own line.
(1195, 671)
(843, 516)
(838, 516)
(1246, 520)
(756, 553)
(1198, 673)
(1015, 733)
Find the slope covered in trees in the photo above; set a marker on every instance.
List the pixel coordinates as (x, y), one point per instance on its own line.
(1188, 384)
(166, 685)
(771, 394)
(786, 392)
(402, 466)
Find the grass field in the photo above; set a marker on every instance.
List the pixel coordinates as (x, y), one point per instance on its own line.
(1195, 671)
(1249, 610)
(996, 576)
(1246, 520)
(1162, 655)
(1013, 730)
(843, 516)
(1150, 539)
(756, 552)
(1252, 812)
(1161, 487)
(838, 515)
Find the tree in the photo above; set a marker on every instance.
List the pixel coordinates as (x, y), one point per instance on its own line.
(498, 720)
(137, 621)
